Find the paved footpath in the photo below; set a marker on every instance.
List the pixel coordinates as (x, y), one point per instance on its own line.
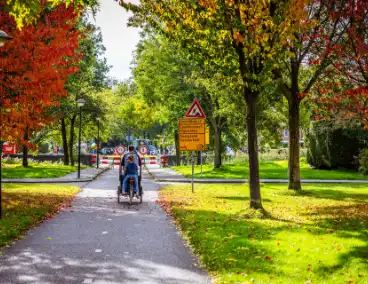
(101, 241)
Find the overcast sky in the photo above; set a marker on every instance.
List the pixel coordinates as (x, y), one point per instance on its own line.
(119, 40)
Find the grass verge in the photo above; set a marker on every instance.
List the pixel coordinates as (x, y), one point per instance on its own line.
(26, 205)
(37, 170)
(317, 236)
(269, 170)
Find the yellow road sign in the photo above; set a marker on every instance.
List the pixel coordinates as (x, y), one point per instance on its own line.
(192, 126)
(192, 134)
(192, 142)
(207, 135)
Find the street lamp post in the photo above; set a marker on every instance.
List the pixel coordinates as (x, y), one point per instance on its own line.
(98, 139)
(128, 137)
(4, 37)
(80, 104)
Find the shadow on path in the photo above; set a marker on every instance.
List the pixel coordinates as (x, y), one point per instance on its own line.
(101, 241)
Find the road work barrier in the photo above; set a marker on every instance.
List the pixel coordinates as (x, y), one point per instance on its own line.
(163, 161)
(149, 160)
(106, 160)
(115, 160)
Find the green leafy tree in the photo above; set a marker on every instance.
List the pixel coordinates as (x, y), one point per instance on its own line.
(241, 36)
(169, 80)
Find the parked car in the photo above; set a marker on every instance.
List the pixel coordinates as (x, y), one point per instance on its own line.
(107, 151)
(152, 150)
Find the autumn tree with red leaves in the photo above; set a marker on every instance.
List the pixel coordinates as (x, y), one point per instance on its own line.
(317, 33)
(34, 69)
(343, 95)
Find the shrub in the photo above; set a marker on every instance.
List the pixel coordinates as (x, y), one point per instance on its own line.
(363, 162)
(331, 147)
(44, 148)
(11, 161)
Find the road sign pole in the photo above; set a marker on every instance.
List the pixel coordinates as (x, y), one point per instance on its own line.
(201, 161)
(193, 171)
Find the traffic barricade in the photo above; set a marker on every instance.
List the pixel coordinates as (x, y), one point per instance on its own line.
(106, 160)
(149, 160)
(164, 160)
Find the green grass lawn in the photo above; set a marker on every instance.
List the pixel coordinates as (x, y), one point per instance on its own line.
(317, 236)
(26, 205)
(46, 170)
(268, 170)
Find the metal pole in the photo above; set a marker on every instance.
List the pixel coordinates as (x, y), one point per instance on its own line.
(201, 161)
(79, 142)
(128, 137)
(193, 171)
(98, 140)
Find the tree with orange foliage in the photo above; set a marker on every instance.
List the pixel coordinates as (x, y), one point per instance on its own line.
(34, 69)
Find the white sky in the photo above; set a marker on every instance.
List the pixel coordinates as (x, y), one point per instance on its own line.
(119, 40)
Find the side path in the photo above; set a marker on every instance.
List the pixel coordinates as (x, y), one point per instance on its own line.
(168, 175)
(101, 241)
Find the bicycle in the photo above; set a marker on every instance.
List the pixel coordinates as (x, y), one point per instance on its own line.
(130, 193)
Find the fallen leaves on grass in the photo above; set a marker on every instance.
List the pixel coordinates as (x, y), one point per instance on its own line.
(231, 238)
(29, 204)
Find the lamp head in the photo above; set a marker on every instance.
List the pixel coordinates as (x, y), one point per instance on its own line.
(81, 102)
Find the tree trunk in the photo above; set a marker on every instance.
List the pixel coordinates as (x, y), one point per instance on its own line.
(25, 151)
(251, 100)
(65, 142)
(178, 162)
(254, 186)
(294, 137)
(218, 161)
(71, 141)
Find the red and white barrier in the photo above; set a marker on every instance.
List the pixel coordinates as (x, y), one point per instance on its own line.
(164, 160)
(106, 160)
(152, 160)
(109, 160)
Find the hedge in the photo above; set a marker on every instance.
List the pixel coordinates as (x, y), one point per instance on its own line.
(331, 147)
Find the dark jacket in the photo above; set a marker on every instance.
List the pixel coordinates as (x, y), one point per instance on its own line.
(131, 169)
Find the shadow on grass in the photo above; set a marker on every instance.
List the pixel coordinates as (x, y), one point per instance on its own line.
(230, 243)
(240, 198)
(319, 192)
(239, 243)
(349, 222)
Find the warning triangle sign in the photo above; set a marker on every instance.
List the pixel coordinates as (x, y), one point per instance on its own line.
(195, 111)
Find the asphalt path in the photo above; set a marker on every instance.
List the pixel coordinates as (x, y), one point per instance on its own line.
(98, 240)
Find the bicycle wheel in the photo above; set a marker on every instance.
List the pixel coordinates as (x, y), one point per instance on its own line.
(131, 193)
(140, 198)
